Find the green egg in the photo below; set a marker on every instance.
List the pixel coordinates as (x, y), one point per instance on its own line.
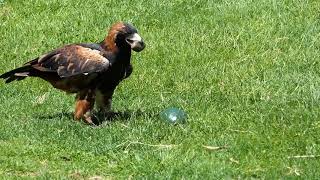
(173, 115)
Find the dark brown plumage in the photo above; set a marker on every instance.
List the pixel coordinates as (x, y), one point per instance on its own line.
(92, 71)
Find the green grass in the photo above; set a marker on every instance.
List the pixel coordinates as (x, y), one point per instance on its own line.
(246, 72)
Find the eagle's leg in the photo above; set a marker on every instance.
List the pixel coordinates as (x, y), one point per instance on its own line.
(84, 106)
(104, 101)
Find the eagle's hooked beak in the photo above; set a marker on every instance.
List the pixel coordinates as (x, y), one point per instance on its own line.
(136, 42)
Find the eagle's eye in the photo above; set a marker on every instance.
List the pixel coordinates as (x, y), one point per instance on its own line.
(130, 41)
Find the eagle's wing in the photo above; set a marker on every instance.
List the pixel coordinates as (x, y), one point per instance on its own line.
(73, 60)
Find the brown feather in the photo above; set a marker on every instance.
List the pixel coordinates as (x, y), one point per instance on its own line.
(84, 105)
(73, 60)
(109, 42)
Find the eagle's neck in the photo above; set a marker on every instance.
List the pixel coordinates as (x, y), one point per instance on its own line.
(109, 45)
(121, 51)
(123, 56)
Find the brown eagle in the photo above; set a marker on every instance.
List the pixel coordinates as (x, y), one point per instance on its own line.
(91, 70)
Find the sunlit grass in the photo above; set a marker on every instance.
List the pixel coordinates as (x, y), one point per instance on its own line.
(246, 72)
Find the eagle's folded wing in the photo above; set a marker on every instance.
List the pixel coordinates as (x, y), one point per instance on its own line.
(73, 60)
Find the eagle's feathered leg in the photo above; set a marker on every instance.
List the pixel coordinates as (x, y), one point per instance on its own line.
(104, 101)
(84, 105)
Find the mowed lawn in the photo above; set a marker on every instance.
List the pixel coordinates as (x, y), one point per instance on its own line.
(246, 72)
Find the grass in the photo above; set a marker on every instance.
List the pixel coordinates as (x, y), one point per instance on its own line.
(246, 72)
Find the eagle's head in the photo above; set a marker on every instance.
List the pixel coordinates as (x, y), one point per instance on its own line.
(124, 35)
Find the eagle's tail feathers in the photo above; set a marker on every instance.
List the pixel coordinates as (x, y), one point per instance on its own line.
(16, 74)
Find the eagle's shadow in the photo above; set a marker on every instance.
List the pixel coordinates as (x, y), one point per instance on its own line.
(100, 119)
